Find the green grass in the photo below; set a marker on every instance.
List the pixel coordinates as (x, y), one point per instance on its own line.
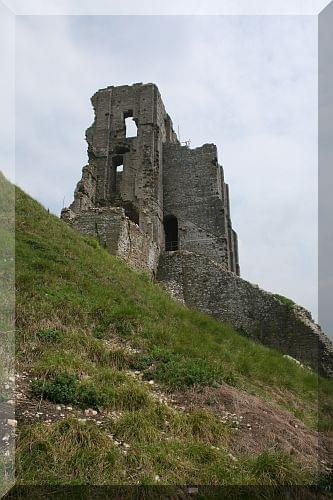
(68, 452)
(71, 297)
(72, 452)
(285, 300)
(156, 422)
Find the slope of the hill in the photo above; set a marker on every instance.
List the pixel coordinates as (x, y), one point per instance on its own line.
(119, 384)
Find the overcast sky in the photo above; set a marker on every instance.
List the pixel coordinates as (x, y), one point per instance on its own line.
(144, 7)
(248, 84)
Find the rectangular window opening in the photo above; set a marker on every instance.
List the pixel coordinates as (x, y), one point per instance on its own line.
(131, 127)
(117, 168)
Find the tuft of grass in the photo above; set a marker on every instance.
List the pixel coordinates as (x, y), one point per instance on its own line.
(205, 427)
(123, 321)
(139, 427)
(50, 335)
(54, 362)
(277, 468)
(284, 300)
(88, 395)
(155, 422)
(325, 417)
(67, 452)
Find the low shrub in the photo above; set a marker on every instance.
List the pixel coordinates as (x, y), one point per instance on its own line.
(186, 373)
(50, 335)
(155, 355)
(60, 389)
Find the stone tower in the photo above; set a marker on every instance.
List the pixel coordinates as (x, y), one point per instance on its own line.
(145, 194)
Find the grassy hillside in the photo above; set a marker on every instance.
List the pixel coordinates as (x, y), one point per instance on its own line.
(93, 334)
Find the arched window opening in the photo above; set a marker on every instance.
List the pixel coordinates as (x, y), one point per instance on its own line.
(171, 233)
(130, 125)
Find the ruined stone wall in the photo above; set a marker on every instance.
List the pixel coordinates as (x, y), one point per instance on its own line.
(195, 193)
(204, 285)
(118, 234)
(140, 183)
(84, 195)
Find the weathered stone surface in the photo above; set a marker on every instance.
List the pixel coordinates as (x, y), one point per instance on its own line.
(159, 179)
(118, 234)
(205, 285)
(195, 193)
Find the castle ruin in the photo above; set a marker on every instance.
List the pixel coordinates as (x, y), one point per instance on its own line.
(148, 187)
(164, 208)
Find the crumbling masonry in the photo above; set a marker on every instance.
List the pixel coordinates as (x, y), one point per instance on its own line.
(164, 208)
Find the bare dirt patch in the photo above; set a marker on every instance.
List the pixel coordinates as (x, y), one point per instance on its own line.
(260, 426)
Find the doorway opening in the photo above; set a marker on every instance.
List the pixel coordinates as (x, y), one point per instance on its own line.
(171, 233)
